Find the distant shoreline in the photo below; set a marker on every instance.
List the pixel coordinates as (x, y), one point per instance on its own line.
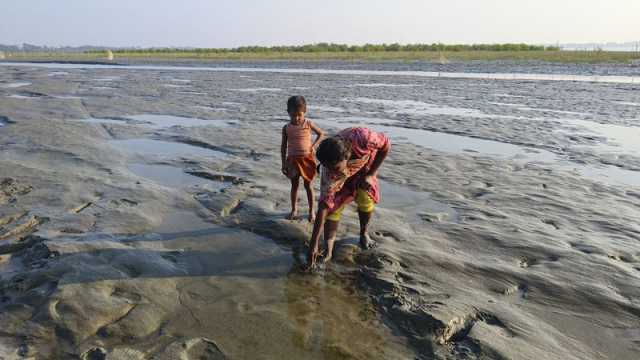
(562, 56)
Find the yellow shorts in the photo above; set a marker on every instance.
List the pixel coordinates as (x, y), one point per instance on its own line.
(363, 200)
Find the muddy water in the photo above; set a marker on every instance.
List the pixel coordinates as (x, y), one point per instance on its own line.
(159, 148)
(162, 121)
(14, 85)
(166, 175)
(241, 290)
(444, 142)
(430, 74)
(244, 292)
(627, 138)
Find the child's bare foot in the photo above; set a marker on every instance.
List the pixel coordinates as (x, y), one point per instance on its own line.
(292, 215)
(312, 216)
(366, 243)
(327, 257)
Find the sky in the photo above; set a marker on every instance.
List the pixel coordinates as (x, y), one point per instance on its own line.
(215, 23)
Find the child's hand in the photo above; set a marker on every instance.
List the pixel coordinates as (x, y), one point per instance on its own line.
(284, 171)
(367, 182)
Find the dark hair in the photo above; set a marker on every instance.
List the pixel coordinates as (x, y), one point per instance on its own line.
(333, 150)
(296, 103)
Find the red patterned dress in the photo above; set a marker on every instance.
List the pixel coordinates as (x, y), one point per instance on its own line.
(339, 188)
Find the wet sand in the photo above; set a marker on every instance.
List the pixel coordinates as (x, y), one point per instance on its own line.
(139, 219)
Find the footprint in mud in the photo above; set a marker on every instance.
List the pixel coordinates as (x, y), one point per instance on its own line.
(125, 294)
(460, 326)
(433, 217)
(480, 193)
(196, 348)
(621, 258)
(553, 258)
(519, 290)
(122, 203)
(587, 249)
(525, 262)
(551, 223)
(386, 235)
(403, 277)
(245, 307)
(11, 188)
(97, 353)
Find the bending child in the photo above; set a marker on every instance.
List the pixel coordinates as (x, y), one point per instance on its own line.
(298, 153)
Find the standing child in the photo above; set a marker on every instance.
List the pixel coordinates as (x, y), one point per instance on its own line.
(298, 153)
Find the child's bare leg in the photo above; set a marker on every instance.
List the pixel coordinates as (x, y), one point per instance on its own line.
(365, 218)
(309, 188)
(295, 182)
(330, 230)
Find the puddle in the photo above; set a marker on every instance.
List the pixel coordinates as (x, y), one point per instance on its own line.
(606, 174)
(211, 108)
(258, 90)
(167, 149)
(374, 85)
(563, 112)
(107, 79)
(238, 289)
(67, 97)
(163, 121)
(247, 284)
(326, 108)
(452, 143)
(620, 139)
(505, 104)
(626, 103)
(457, 144)
(232, 103)
(17, 96)
(176, 86)
(14, 85)
(431, 74)
(408, 201)
(108, 121)
(509, 96)
(361, 120)
(191, 93)
(170, 176)
(411, 107)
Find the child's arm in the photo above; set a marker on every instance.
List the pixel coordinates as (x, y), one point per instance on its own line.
(314, 243)
(319, 133)
(283, 150)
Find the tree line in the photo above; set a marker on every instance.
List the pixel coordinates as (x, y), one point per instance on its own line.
(331, 47)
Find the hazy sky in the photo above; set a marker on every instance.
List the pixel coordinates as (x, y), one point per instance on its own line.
(214, 23)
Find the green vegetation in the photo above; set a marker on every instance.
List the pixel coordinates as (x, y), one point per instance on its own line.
(324, 51)
(341, 48)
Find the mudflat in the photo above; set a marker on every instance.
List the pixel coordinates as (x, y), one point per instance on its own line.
(142, 215)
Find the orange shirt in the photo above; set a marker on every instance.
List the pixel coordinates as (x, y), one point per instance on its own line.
(299, 139)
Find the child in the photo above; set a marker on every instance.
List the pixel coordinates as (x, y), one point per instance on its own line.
(298, 153)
